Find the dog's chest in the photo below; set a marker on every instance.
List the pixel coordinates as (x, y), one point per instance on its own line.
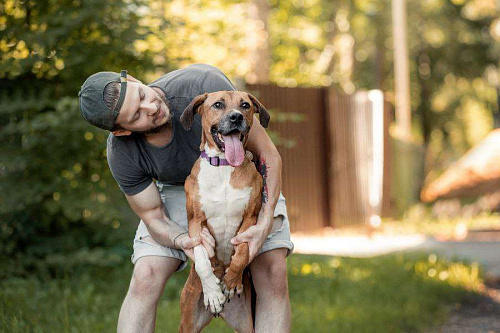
(222, 204)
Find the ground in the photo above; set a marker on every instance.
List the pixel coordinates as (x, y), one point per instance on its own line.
(480, 315)
(392, 293)
(476, 240)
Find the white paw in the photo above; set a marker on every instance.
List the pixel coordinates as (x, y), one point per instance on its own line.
(213, 297)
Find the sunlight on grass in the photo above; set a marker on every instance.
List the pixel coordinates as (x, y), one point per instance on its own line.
(395, 293)
(418, 220)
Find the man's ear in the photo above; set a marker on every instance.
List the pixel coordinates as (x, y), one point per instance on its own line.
(121, 132)
(264, 116)
(187, 116)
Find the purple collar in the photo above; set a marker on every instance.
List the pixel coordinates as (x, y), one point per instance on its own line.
(215, 161)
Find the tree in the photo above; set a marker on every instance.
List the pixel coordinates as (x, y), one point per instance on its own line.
(53, 170)
(260, 57)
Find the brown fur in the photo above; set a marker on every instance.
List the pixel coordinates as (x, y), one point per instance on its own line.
(237, 312)
(203, 103)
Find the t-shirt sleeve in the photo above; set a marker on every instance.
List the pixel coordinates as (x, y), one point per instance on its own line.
(128, 174)
(215, 80)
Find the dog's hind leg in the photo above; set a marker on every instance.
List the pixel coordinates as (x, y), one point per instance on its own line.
(194, 315)
(238, 312)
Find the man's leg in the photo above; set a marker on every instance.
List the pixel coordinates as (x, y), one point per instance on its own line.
(269, 276)
(154, 264)
(138, 312)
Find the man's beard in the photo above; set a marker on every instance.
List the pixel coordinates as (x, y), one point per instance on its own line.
(156, 129)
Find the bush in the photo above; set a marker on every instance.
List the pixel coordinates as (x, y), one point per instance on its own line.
(56, 190)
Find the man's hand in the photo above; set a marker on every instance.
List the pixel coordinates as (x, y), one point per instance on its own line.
(208, 242)
(255, 236)
(187, 244)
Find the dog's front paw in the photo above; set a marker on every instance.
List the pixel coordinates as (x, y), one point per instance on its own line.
(232, 284)
(213, 297)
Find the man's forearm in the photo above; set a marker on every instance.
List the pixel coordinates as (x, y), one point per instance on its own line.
(149, 207)
(271, 166)
(164, 231)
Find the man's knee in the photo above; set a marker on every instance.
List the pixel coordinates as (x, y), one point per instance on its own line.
(147, 280)
(272, 275)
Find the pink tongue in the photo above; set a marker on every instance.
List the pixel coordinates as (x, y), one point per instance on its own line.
(234, 149)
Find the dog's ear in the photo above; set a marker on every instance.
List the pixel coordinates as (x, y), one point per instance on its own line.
(187, 116)
(261, 110)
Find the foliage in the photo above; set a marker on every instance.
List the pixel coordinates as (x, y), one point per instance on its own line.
(186, 32)
(451, 95)
(56, 192)
(348, 45)
(54, 180)
(452, 51)
(300, 32)
(419, 219)
(396, 293)
(48, 48)
(60, 43)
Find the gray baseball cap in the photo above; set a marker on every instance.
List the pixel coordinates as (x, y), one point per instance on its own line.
(91, 99)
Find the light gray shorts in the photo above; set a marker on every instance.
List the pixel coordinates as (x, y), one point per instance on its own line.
(174, 201)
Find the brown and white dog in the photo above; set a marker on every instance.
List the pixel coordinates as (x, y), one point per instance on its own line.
(223, 193)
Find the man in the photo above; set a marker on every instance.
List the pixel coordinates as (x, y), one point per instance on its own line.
(148, 142)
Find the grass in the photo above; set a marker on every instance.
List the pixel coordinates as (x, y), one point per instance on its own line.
(395, 293)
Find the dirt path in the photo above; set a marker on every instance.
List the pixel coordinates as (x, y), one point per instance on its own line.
(481, 315)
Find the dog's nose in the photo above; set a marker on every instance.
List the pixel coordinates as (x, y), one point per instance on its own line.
(236, 118)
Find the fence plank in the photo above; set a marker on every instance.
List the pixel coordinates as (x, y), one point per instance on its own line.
(358, 152)
(330, 175)
(305, 164)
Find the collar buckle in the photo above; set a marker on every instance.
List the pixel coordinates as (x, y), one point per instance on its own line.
(216, 159)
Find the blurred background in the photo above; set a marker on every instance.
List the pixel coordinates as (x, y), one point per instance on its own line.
(385, 114)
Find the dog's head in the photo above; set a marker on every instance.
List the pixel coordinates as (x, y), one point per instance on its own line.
(227, 117)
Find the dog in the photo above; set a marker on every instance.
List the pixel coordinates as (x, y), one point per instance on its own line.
(223, 193)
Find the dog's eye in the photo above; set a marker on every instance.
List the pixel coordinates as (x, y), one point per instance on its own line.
(218, 105)
(245, 105)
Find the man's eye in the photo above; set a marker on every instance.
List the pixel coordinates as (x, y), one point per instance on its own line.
(218, 105)
(245, 105)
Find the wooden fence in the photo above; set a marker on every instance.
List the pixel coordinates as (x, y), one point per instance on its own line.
(333, 154)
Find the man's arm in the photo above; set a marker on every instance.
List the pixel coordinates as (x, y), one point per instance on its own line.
(261, 145)
(149, 207)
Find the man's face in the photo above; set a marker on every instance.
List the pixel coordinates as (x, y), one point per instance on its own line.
(143, 109)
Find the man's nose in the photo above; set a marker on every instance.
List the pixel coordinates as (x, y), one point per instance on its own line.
(150, 108)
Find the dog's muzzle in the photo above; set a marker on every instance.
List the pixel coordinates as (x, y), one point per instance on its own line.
(233, 122)
(229, 136)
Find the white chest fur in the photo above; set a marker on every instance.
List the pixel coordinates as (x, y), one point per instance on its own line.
(222, 204)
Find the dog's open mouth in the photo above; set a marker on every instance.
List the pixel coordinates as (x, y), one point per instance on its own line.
(231, 144)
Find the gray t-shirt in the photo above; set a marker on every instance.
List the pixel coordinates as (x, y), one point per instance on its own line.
(134, 162)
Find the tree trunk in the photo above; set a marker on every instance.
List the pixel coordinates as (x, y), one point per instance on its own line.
(261, 55)
(401, 71)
